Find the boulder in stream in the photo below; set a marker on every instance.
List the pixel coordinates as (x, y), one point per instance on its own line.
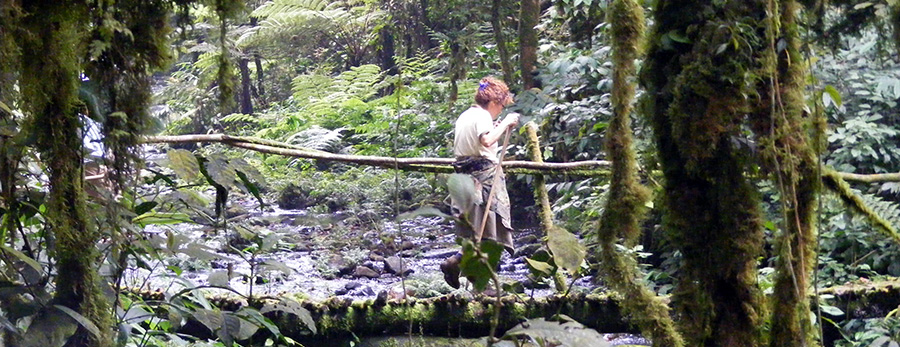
(394, 265)
(362, 271)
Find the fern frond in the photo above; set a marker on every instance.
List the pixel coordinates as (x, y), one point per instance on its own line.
(877, 211)
(240, 118)
(323, 95)
(285, 6)
(318, 138)
(311, 86)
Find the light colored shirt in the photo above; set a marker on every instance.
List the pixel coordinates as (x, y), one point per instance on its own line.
(470, 125)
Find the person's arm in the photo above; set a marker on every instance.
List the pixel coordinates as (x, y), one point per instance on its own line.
(490, 138)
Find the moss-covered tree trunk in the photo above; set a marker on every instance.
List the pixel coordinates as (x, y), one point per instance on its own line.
(51, 68)
(783, 139)
(625, 203)
(698, 82)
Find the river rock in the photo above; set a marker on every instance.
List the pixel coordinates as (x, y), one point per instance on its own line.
(352, 285)
(406, 245)
(362, 271)
(293, 197)
(394, 265)
(340, 264)
(527, 239)
(236, 211)
(528, 250)
(528, 283)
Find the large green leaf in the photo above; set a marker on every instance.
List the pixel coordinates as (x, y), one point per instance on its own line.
(82, 320)
(220, 171)
(462, 188)
(568, 253)
(251, 314)
(211, 319)
(51, 328)
(292, 307)
(539, 268)
(161, 218)
(547, 333)
(184, 163)
(28, 260)
(479, 261)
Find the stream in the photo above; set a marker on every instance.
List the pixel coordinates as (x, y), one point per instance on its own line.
(320, 256)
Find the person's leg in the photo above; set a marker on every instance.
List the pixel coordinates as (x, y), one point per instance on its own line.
(450, 266)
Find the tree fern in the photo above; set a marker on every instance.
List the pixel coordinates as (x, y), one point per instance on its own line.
(324, 96)
(344, 25)
(288, 6)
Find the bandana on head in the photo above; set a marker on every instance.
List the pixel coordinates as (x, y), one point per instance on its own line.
(482, 85)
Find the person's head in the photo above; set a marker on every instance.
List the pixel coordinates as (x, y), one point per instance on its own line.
(493, 95)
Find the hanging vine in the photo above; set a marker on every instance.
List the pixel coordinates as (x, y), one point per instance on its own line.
(627, 197)
(786, 154)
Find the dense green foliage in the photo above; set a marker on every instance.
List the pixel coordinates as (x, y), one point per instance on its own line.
(715, 179)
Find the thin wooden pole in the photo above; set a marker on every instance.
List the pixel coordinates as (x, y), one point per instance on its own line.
(497, 171)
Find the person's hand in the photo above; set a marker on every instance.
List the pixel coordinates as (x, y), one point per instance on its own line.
(511, 120)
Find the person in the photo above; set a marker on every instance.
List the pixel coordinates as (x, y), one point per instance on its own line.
(475, 145)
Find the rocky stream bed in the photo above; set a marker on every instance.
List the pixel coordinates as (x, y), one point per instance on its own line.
(274, 252)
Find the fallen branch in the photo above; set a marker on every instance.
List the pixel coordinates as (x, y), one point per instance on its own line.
(587, 168)
(580, 168)
(452, 315)
(872, 178)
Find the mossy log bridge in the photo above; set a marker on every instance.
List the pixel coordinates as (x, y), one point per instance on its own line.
(456, 315)
(438, 165)
(586, 168)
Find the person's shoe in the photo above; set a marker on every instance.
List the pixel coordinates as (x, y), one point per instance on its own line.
(450, 268)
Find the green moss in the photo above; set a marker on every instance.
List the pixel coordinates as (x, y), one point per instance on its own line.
(788, 156)
(700, 74)
(627, 197)
(51, 53)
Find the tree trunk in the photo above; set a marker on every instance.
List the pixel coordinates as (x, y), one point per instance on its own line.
(51, 69)
(246, 98)
(387, 53)
(793, 162)
(624, 211)
(696, 106)
(259, 89)
(529, 16)
(260, 79)
(502, 49)
(457, 69)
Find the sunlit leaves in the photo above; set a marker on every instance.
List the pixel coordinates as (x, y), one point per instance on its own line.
(479, 261)
(184, 163)
(568, 253)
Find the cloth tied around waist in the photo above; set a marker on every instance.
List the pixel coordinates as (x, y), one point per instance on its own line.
(482, 171)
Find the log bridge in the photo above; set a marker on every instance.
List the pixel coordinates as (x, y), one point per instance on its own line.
(587, 168)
